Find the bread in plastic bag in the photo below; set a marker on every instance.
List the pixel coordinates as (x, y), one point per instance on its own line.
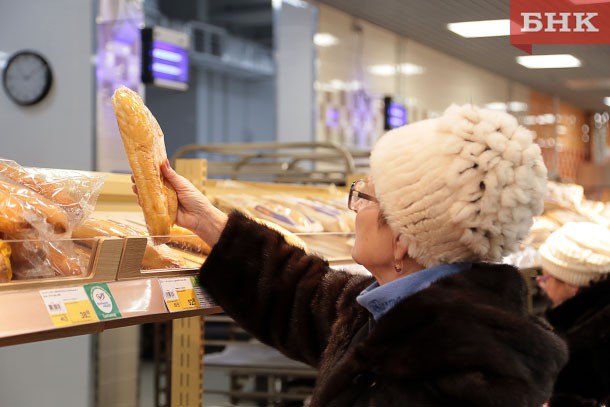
(155, 256)
(73, 191)
(39, 208)
(6, 272)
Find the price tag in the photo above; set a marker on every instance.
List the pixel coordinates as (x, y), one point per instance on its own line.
(203, 297)
(179, 294)
(68, 306)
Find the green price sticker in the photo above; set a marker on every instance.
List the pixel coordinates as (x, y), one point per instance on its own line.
(103, 302)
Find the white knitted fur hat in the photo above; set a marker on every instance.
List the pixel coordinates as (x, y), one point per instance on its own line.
(577, 253)
(462, 187)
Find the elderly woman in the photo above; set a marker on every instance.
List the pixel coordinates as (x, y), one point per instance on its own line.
(435, 324)
(576, 264)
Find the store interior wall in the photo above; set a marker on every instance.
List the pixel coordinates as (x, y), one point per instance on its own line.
(58, 132)
(219, 106)
(295, 26)
(368, 57)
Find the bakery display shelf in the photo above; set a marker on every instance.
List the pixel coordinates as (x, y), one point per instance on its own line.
(334, 247)
(117, 262)
(315, 162)
(25, 318)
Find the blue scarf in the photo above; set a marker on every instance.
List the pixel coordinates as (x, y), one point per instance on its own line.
(379, 299)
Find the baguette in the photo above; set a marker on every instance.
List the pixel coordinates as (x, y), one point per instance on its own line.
(6, 272)
(144, 144)
(37, 252)
(184, 238)
(11, 214)
(39, 185)
(155, 257)
(65, 265)
(92, 228)
(18, 203)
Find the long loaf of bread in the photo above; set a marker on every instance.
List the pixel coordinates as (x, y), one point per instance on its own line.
(61, 256)
(184, 238)
(155, 257)
(6, 273)
(20, 206)
(145, 148)
(39, 185)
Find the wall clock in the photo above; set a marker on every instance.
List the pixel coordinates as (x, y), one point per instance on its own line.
(27, 78)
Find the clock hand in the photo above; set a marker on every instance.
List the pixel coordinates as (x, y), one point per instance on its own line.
(33, 71)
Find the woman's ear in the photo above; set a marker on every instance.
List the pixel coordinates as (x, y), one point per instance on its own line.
(400, 249)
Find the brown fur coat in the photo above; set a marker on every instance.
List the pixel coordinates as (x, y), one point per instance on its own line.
(464, 341)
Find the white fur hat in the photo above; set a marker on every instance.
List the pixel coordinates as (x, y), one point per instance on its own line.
(577, 253)
(462, 187)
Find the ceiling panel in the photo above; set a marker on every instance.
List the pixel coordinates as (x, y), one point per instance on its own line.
(425, 21)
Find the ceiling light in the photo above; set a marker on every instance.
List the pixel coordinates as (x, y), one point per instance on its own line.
(337, 84)
(499, 106)
(607, 101)
(517, 106)
(382, 70)
(411, 69)
(512, 106)
(325, 40)
(390, 70)
(548, 61)
(476, 29)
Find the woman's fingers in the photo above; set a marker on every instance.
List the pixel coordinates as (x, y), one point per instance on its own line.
(180, 184)
(169, 172)
(134, 188)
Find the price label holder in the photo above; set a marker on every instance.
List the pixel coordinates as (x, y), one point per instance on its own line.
(68, 306)
(204, 298)
(103, 301)
(180, 293)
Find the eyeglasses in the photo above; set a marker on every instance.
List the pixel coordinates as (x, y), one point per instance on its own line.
(356, 197)
(542, 279)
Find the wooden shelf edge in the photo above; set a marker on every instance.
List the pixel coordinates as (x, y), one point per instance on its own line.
(25, 318)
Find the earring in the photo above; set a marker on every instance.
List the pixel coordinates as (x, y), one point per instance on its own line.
(397, 267)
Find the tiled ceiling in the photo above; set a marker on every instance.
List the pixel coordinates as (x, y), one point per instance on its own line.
(425, 21)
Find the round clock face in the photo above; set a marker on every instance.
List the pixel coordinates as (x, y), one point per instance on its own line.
(27, 78)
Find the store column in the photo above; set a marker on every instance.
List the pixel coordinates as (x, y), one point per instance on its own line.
(294, 24)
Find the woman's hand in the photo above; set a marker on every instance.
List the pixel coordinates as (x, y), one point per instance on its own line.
(195, 211)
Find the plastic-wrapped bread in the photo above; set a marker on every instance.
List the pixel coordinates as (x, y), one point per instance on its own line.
(6, 272)
(145, 147)
(161, 257)
(331, 218)
(155, 257)
(348, 216)
(20, 208)
(257, 207)
(184, 238)
(38, 184)
(92, 228)
(61, 257)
